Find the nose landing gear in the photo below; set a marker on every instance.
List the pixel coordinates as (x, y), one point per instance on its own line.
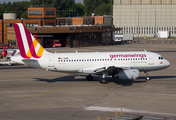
(103, 80)
(147, 77)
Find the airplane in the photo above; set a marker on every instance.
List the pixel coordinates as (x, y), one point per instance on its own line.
(119, 65)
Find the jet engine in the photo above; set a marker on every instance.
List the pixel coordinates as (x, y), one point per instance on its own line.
(131, 74)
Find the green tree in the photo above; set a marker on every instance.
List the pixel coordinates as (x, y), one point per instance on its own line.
(103, 9)
(15, 7)
(91, 6)
(65, 8)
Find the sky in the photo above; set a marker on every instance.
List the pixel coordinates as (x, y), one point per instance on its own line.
(1, 1)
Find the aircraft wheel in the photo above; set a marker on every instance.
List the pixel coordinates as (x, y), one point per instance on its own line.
(147, 78)
(102, 80)
(89, 78)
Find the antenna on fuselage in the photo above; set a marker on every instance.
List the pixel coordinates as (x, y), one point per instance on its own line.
(76, 51)
(145, 50)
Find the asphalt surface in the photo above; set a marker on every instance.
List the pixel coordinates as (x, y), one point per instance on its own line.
(28, 93)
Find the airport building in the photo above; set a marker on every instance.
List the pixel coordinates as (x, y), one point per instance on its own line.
(145, 17)
(70, 31)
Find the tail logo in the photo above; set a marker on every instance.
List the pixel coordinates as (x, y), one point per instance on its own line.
(28, 45)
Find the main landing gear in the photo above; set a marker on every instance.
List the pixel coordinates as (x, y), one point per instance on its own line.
(89, 77)
(147, 77)
(103, 80)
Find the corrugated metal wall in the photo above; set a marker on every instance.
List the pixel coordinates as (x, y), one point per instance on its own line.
(125, 2)
(173, 2)
(116, 2)
(156, 2)
(136, 2)
(167, 2)
(144, 2)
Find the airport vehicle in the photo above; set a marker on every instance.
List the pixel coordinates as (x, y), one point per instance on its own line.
(126, 37)
(6, 46)
(57, 43)
(163, 34)
(120, 65)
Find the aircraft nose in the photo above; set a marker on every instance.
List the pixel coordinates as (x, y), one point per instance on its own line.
(167, 63)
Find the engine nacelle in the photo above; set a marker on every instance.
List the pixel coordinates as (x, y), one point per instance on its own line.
(131, 74)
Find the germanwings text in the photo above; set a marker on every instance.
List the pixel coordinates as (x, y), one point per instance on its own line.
(127, 55)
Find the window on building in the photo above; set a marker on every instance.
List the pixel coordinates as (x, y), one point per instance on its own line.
(35, 12)
(49, 12)
(175, 30)
(126, 30)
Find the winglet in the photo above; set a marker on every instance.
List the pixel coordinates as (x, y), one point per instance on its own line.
(28, 45)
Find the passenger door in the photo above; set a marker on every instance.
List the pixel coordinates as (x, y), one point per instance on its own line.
(151, 61)
(51, 61)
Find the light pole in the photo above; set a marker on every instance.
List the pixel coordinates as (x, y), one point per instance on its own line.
(155, 23)
(138, 26)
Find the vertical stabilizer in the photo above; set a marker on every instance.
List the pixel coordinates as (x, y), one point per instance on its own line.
(28, 45)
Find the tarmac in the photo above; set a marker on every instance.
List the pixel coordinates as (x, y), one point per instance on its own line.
(29, 93)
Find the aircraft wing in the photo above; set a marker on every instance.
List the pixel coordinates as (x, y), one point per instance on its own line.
(102, 69)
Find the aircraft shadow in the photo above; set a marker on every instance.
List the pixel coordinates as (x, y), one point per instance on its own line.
(96, 78)
(157, 77)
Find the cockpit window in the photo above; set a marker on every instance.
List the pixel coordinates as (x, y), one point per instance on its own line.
(160, 58)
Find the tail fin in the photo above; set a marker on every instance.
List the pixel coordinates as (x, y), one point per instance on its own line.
(28, 45)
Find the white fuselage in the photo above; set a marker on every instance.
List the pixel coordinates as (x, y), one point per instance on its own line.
(87, 62)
